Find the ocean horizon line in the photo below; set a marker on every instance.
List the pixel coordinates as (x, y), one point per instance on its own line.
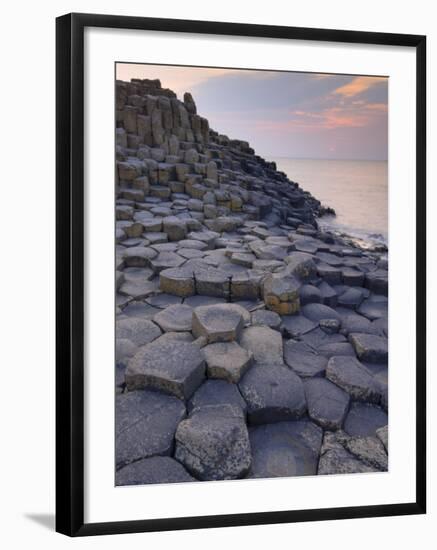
(324, 159)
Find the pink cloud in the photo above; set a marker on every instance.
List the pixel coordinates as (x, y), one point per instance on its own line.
(358, 85)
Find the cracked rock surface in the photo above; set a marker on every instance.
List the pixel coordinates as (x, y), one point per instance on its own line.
(249, 342)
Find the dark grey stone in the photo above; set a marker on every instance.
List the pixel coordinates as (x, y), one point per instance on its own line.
(213, 443)
(139, 331)
(305, 364)
(370, 347)
(327, 403)
(156, 469)
(273, 393)
(174, 367)
(285, 449)
(317, 312)
(218, 323)
(176, 318)
(349, 374)
(364, 419)
(266, 318)
(217, 392)
(294, 326)
(145, 424)
(369, 450)
(227, 360)
(264, 343)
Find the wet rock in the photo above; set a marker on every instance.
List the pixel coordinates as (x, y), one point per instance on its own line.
(177, 368)
(176, 318)
(264, 343)
(273, 393)
(213, 443)
(227, 361)
(218, 323)
(370, 347)
(350, 375)
(145, 424)
(327, 403)
(285, 449)
(156, 469)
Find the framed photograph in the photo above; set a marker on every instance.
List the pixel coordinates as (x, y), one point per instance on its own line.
(240, 274)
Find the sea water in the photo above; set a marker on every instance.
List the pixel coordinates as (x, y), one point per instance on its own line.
(357, 190)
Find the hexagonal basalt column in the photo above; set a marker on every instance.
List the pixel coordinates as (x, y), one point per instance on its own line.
(218, 323)
(173, 367)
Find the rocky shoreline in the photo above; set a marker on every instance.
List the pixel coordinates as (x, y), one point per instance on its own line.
(249, 342)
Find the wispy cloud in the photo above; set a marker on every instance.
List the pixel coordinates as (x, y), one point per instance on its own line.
(358, 85)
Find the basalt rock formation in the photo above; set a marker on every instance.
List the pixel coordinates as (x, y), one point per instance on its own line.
(249, 342)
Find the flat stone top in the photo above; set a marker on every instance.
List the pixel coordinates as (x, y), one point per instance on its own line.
(218, 317)
(174, 358)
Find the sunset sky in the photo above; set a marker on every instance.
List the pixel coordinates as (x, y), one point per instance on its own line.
(285, 114)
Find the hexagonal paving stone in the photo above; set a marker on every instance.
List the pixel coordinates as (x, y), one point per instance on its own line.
(139, 331)
(327, 403)
(317, 312)
(304, 363)
(370, 347)
(335, 459)
(273, 393)
(285, 449)
(266, 318)
(178, 281)
(176, 318)
(166, 260)
(353, 377)
(156, 469)
(227, 360)
(213, 443)
(369, 450)
(364, 419)
(217, 392)
(139, 256)
(218, 323)
(145, 424)
(294, 326)
(174, 367)
(265, 344)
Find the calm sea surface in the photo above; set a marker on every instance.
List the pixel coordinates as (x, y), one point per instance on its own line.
(357, 190)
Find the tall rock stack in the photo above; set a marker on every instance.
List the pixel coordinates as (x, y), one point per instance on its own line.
(249, 342)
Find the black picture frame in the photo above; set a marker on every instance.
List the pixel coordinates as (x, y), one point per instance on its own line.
(70, 273)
